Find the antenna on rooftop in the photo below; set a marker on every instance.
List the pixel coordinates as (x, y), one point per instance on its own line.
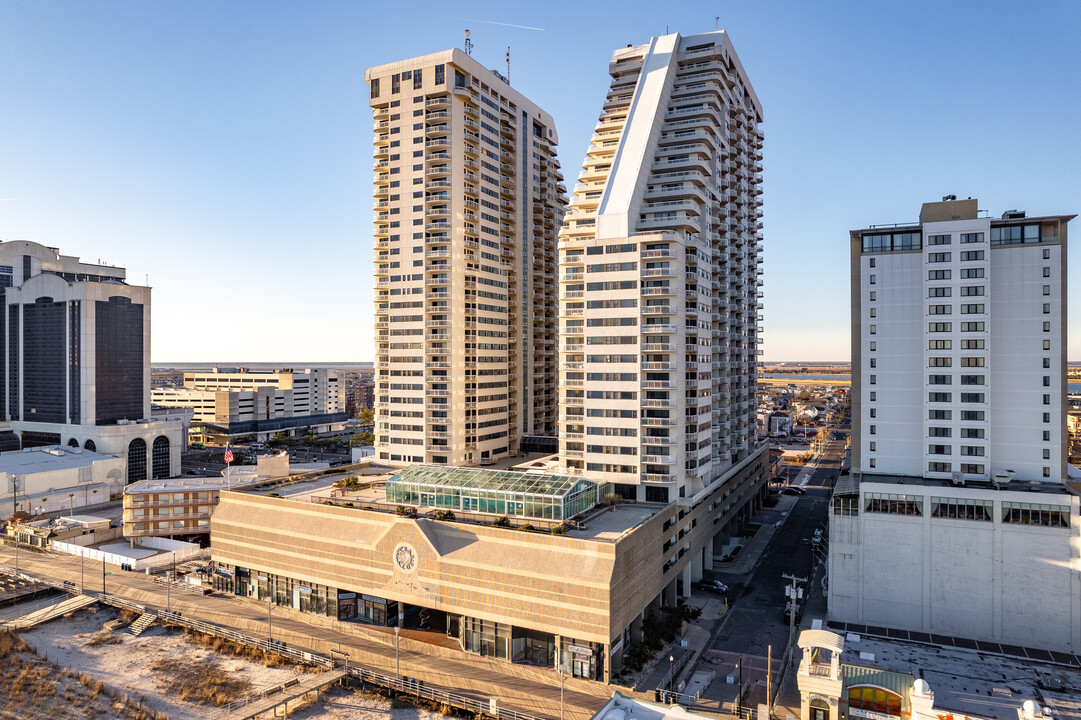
(508, 64)
(468, 44)
(717, 22)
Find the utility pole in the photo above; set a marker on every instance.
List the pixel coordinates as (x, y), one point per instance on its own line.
(769, 675)
(794, 594)
(14, 510)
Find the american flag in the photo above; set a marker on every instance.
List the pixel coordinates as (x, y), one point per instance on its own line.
(228, 456)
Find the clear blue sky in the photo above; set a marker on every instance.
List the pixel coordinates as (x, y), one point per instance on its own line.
(223, 149)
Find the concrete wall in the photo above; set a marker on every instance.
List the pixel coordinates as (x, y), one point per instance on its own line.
(993, 581)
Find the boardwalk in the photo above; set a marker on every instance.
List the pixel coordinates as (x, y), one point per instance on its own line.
(521, 688)
(38, 614)
(283, 694)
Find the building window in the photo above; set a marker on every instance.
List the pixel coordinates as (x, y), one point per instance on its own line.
(1035, 513)
(874, 412)
(874, 362)
(136, 460)
(1047, 436)
(1046, 454)
(971, 238)
(873, 444)
(1047, 272)
(1046, 471)
(873, 295)
(871, 280)
(846, 505)
(1046, 289)
(962, 508)
(893, 504)
(1047, 253)
(1047, 327)
(375, 87)
(938, 240)
(871, 462)
(939, 257)
(939, 449)
(874, 312)
(874, 346)
(874, 396)
(1047, 308)
(160, 459)
(874, 378)
(871, 429)
(874, 329)
(872, 262)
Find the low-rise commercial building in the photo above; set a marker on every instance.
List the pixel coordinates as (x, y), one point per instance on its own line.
(52, 479)
(853, 676)
(183, 506)
(490, 573)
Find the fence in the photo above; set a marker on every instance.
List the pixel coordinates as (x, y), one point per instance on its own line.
(165, 559)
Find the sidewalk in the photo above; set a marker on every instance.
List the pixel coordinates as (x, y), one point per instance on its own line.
(771, 520)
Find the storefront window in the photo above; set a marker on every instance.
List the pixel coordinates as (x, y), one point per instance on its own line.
(874, 699)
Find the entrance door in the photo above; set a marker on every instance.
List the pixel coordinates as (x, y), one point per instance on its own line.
(819, 713)
(581, 666)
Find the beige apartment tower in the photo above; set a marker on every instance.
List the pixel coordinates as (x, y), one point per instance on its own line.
(659, 261)
(468, 202)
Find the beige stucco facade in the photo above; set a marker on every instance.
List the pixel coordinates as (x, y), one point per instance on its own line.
(587, 589)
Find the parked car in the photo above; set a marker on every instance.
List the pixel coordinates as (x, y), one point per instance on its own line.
(794, 490)
(714, 585)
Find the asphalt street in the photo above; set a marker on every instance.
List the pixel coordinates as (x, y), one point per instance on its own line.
(756, 618)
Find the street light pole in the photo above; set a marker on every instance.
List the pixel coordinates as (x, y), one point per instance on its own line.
(671, 672)
(562, 674)
(397, 661)
(269, 622)
(739, 690)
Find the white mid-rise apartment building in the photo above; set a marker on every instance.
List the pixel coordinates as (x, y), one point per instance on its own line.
(234, 403)
(660, 259)
(468, 201)
(958, 519)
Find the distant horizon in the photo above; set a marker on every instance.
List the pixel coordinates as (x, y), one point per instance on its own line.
(337, 363)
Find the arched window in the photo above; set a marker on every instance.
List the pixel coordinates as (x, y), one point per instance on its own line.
(875, 699)
(89, 445)
(136, 460)
(73, 443)
(161, 457)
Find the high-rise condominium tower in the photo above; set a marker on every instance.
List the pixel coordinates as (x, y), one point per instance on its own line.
(659, 274)
(956, 519)
(468, 201)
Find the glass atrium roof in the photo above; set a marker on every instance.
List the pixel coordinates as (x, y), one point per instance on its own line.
(507, 481)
